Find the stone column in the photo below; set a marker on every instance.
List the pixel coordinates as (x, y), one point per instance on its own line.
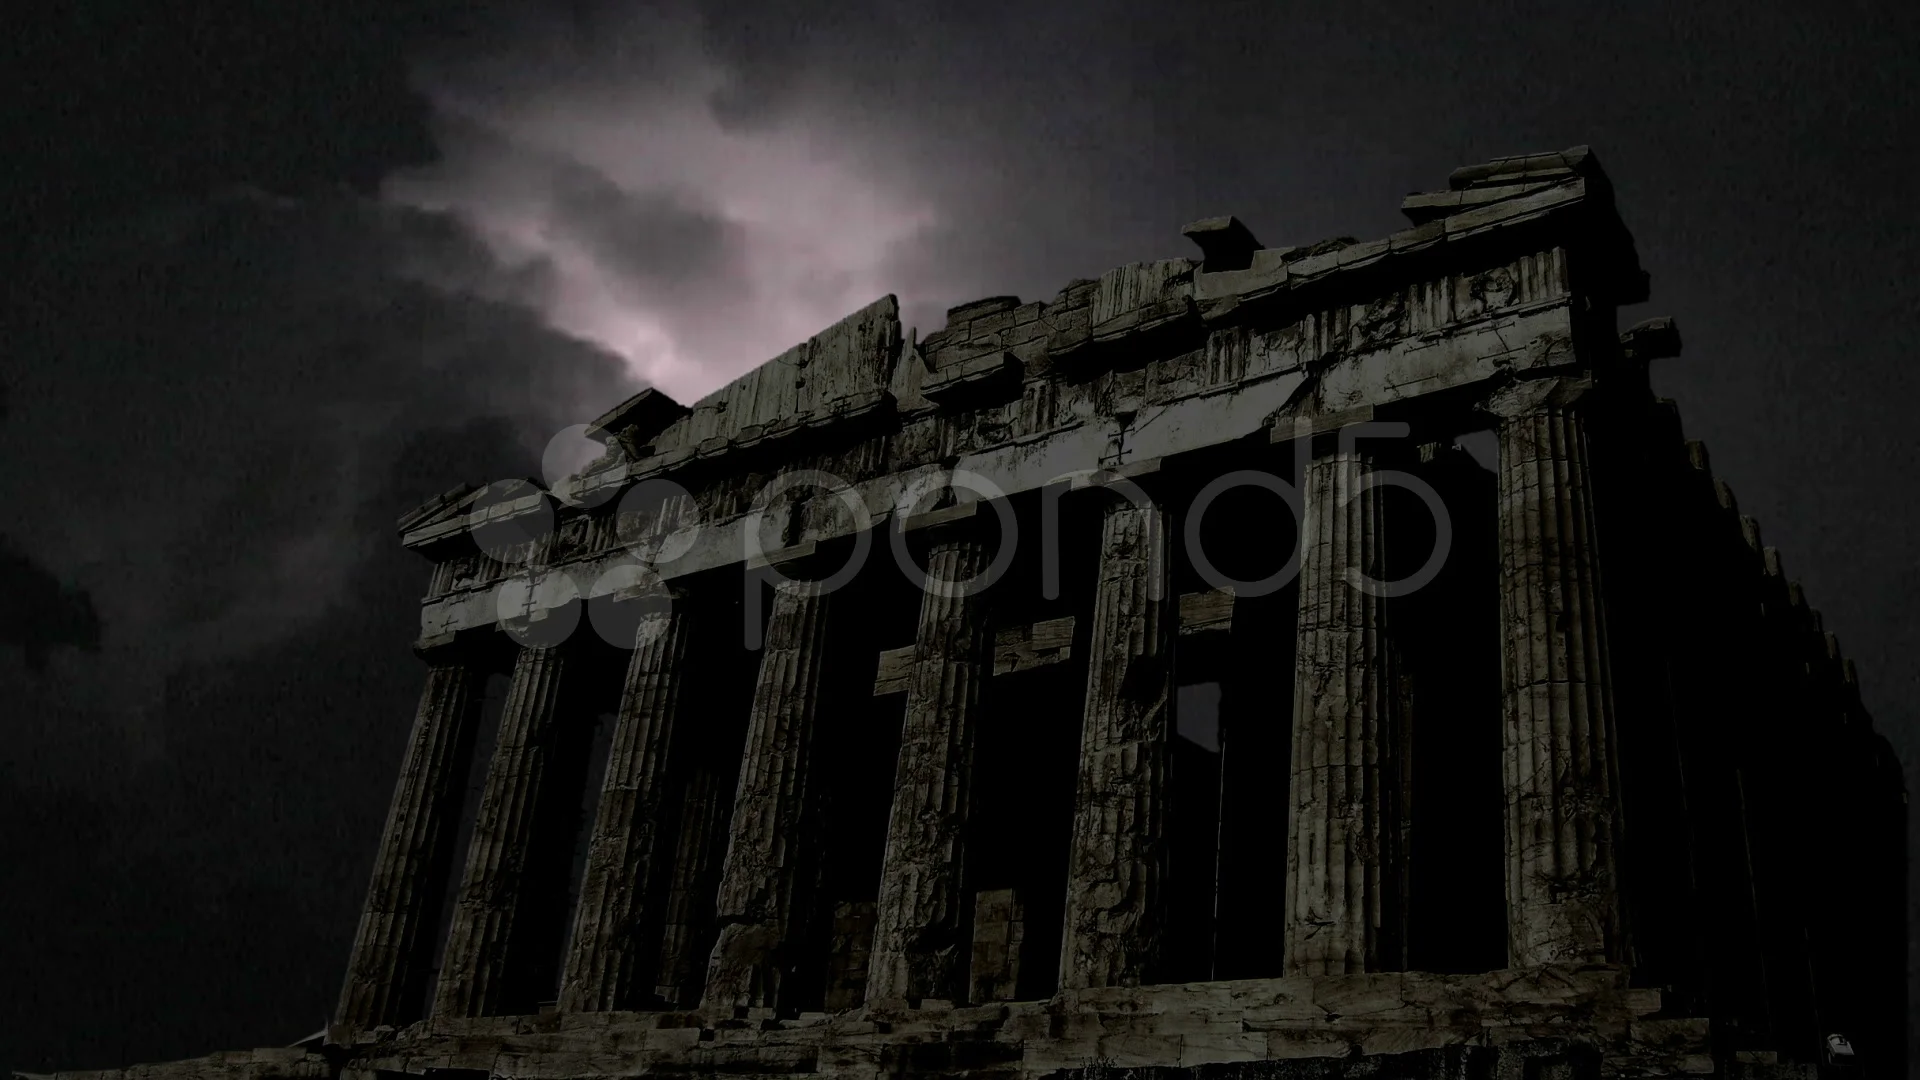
(1117, 859)
(699, 846)
(755, 907)
(919, 946)
(1340, 867)
(473, 976)
(393, 950)
(612, 922)
(1562, 896)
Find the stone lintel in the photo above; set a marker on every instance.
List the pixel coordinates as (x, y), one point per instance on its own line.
(1289, 428)
(1115, 473)
(1015, 648)
(895, 671)
(1022, 648)
(946, 515)
(1206, 612)
(782, 556)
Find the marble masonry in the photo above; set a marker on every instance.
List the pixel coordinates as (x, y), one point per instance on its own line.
(1317, 661)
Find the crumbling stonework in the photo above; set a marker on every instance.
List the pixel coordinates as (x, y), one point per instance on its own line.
(849, 827)
(614, 932)
(1340, 862)
(919, 948)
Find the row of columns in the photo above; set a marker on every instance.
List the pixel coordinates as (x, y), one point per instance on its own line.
(1558, 758)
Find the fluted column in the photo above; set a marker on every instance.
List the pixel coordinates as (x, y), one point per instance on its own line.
(918, 946)
(473, 976)
(755, 907)
(1562, 894)
(1117, 859)
(1339, 866)
(393, 950)
(621, 883)
(699, 845)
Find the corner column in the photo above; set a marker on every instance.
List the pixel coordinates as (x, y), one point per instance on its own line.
(619, 895)
(473, 977)
(919, 949)
(393, 949)
(756, 906)
(1563, 904)
(1117, 862)
(1339, 858)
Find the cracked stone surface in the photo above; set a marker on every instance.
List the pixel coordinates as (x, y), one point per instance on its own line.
(1497, 308)
(1562, 818)
(1339, 863)
(1117, 858)
(919, 950)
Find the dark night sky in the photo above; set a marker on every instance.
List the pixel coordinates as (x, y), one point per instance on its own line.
(276, 273)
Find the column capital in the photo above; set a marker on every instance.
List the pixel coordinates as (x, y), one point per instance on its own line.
(1534, 395)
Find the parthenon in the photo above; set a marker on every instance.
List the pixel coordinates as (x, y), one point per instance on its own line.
(1315, 661)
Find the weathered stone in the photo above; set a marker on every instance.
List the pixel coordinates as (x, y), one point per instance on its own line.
(918, 937)
(999, 941)
(393, 951)
(614, 930)
(1118, 855)
(716, 892)
(1562, 894)
(703, 818)
(483, 941)
(757, 900)
(1340, 857)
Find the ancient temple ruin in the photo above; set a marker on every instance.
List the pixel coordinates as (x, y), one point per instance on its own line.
(1312, 661)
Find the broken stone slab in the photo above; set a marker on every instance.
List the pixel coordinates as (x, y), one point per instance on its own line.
(1225, 243)
(992, 375)
(1510, 212)
(635, 421)
(974, 309)
(1427, 207)
(1022, 648)
(1266, 271)
(1556, 164)
(1206, 612)
(1653, 339)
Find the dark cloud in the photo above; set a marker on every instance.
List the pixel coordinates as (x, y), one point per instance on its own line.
(217, 393)
(230, 402)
